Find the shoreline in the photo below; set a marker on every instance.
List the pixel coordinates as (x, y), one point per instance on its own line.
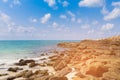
(43, 57)
(85, 60)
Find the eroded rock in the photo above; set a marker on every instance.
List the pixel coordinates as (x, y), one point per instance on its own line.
(97, 71)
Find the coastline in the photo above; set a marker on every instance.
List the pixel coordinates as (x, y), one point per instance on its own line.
(88, 59)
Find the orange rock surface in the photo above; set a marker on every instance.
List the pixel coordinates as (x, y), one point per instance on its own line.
(93, 59)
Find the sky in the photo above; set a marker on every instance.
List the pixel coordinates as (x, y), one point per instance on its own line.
(59, 19)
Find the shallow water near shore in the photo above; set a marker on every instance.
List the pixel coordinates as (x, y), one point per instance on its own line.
(12, 50)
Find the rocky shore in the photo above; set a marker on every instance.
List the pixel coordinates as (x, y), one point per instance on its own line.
(84, 60)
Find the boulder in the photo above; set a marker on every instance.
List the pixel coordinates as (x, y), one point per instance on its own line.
(32, 64)
(50, 63)
(23, 62)
(42, 55)
(3, 74)
(11, 78)
(14, 69)
(29, 61)
(44, 72)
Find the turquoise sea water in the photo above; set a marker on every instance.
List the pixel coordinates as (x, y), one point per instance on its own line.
(16, 49)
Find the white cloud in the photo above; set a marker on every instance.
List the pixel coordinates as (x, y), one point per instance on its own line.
(115, 13)
(21, 29)
(5, 20)
(85, 26)
(116, 4)
(55, 25)
(65, 3)
(11, 27)
(73, 19)
(33, 20)
(63, 16)
(107, 26)
(45, 18)
(72, 15)
(4, 17)
(104, 10)
(91, 3)
(91, 31)
(5, 1)
(50, 2)
(16, 2)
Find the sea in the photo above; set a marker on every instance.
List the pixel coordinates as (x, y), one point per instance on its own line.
(12, 50)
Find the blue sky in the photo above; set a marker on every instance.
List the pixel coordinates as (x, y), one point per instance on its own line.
(59, 19)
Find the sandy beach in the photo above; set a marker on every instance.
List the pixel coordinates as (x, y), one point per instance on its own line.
(84, 60)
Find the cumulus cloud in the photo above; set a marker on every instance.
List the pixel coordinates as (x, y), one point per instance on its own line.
(91, 3)
(63, 16)
(21, 29)
(4, 17)
(65, 3)
(72, 15)
(104, 10)
(16, 2)
(73, 19)
(5, 1)
(115, 13)
(55, 25)
(45, 18)
(6, 21)
(107, 26)
(50, 2)
(91, 31)
(33, 20)
(12, 27)
(116, 4)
